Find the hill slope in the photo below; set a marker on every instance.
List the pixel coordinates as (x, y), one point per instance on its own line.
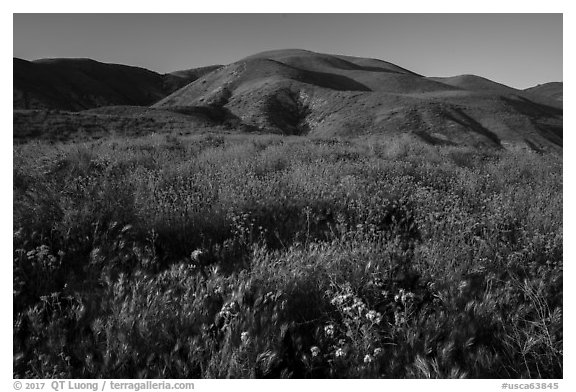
(294, 92)
(553, 90)
(77, 84)
(301, 92)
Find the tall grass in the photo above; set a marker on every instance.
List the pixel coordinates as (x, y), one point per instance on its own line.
(268, 256)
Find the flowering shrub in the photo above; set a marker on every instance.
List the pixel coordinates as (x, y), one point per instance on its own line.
(267, 256)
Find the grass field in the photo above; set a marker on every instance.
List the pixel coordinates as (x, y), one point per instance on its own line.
(269, 256)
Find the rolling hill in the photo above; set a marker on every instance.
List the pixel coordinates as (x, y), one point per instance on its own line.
(552, 90)
(301, 92)
(78, 84)
(298, 92)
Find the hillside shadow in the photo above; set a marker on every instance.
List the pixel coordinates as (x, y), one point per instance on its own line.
(432, 140)
(217, 115)
(531, 108)
(545, 118)
(458, 116)
(332, 81)
(552, 133)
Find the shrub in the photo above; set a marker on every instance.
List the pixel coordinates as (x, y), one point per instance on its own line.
(264, 256)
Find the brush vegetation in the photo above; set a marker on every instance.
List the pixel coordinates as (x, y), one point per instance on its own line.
(266, 256)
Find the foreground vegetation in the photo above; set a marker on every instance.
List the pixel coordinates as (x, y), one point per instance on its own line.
(266, 256)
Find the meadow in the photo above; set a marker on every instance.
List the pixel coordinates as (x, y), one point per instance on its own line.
(214, 256)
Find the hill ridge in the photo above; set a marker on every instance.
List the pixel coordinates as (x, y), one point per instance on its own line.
(302, 92)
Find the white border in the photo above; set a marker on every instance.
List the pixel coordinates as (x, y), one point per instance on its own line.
(298, 6)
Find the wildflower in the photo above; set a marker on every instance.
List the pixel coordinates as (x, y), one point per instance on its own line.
(340, 353)
(339, 299)
(196, 254)
(359, 305)
(409, 296)
(399, 318)
(374, 316)
(244, 337)
(329, 330)
(315, 351)
(368, 358)
(400, 296)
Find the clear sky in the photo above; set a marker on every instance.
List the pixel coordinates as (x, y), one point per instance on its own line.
(520, 50)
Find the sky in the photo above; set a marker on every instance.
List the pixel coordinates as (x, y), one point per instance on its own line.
(519, 50)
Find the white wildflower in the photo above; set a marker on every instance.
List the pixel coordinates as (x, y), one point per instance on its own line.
(374, 316)
(329, 330)
(196, 254)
